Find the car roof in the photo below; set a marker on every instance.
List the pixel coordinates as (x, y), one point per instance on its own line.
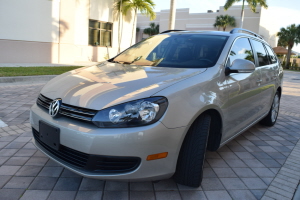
(234, 34)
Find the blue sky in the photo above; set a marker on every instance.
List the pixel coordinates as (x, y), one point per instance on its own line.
(289, 8)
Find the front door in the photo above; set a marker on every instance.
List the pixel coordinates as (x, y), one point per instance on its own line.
(243, 104)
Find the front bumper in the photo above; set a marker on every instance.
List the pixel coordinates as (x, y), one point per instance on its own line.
(136, 142)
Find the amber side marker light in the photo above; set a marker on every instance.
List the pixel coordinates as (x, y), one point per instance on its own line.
(157, 156)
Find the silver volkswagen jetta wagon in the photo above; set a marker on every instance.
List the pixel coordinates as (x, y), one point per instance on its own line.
(152, 111)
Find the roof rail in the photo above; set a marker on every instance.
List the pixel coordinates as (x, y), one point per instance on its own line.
(168, 31)
(237, 30)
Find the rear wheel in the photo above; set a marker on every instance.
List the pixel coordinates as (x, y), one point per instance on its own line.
(189, 170)
(271, 118)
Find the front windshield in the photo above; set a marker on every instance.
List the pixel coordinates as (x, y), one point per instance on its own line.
(175, 50)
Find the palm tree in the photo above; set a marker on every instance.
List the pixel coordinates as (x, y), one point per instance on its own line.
(289, 36)
(251, 3)
(282, 43)
(144, 6)
(152, 30)
(224, 21)
(118, 9)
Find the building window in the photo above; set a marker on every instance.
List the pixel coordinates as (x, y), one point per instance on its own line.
(100, 33)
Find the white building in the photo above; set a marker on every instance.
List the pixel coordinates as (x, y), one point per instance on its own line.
(60, 31)
(263, 21)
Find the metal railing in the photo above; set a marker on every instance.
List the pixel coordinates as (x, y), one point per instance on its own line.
(238, 30)
(168, 31)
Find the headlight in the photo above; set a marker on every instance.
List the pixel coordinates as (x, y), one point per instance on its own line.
(135, 113)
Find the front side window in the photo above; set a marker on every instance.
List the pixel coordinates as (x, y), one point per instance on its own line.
(100, 33)
(175, 50)
(241, 49)
(272, 57)
(262, 56)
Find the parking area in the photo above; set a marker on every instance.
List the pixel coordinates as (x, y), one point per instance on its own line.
(249, 167)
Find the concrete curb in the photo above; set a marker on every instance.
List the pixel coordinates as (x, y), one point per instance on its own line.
(297, 193)
(28, 79)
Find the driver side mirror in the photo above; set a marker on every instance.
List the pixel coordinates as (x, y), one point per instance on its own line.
(240, 66)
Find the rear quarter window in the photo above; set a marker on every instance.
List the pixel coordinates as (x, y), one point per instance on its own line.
(261, 53)
(272, 56)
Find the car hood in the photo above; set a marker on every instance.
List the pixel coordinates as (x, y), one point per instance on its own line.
(108, 84)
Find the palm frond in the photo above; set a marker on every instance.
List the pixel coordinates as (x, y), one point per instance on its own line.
(263, 3)
(229, 3)
(224, 21)
(251, 3)
(152, 30)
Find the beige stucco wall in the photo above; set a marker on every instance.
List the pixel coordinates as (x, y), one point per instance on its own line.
(29, 20)
(297, 61)
(74, 42)
(261, 22)
(16, 51)
(56, 31)
(268, 27)
(29, 31)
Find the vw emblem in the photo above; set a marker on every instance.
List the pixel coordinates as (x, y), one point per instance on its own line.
(54, 107)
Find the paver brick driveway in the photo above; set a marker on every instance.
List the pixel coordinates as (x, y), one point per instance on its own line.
(242, 169)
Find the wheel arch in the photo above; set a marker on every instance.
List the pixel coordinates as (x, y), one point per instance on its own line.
(215, 133)
(279, 89)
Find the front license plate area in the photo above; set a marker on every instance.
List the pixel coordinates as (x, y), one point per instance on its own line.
(50, 135)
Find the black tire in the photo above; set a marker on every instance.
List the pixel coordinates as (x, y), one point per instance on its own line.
(189, 170)
(270, 120)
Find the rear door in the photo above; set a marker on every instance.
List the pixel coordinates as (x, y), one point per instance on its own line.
(243, 105)
(267, 66)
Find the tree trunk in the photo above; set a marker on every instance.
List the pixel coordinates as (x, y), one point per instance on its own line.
(119, 32)
(133, 25)
(242, 14)
(119, 27)
(289, 56)
(172, 15)
(224, 28)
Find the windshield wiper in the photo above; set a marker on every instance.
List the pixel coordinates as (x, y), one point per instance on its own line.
(113, 61)
(125, 62)
(136, 59)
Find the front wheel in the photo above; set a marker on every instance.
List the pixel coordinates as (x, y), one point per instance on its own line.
(189, 170)
(271, 118)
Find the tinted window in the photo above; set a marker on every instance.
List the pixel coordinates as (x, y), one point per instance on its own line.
(175, 50)
(241, 49)
(261, 53)
(272, 57)
(100, 33)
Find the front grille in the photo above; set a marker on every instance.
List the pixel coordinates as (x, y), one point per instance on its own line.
(89, 162)
(67, 110)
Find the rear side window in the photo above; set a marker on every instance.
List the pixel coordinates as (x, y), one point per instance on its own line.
(261, 53)
(241, 49)
(272, 57)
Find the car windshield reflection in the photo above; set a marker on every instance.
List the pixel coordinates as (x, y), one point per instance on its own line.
(175, 50)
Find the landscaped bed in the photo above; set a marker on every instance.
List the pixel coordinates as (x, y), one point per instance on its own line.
(292, 70)
(34, 71)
